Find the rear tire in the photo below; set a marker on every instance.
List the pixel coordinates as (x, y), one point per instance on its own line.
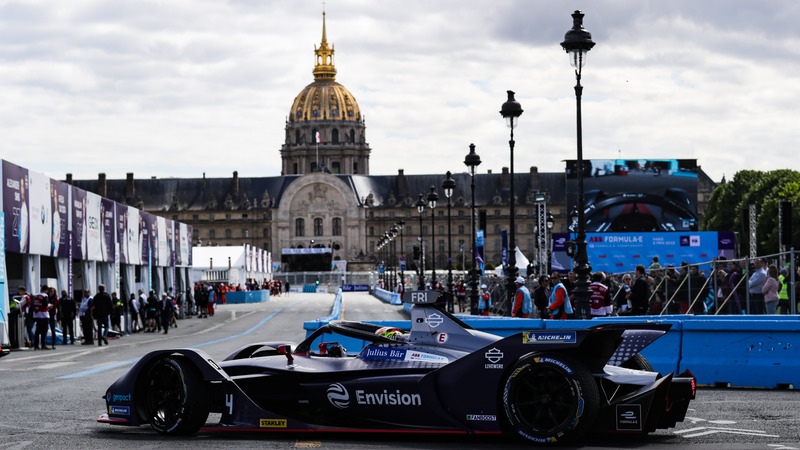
(174, 397)
(638, 362)
(550, 398)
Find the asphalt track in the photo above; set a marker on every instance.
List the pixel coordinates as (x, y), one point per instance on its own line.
(51, 399)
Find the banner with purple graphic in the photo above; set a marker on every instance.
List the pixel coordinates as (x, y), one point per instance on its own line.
(144, 237)
(107, 223)
(479, 250)
(190, 239)
(160, 242)
(122, 234)
(80, 236)
(60, 200)
(15, 207)
(622, 252)
(94, 230)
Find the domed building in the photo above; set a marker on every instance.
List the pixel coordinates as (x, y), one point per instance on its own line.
(325, 129)
(327, 210)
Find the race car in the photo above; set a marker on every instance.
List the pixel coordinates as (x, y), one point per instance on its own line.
(441, 376)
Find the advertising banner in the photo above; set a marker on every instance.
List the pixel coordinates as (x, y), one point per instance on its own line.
(80, 233)
(107, 224)
(185, 245)
(189, 241)
(15, 207)
(40, 204)
(339, 266)
(94, 230)
(622, 252)
(60, 199)
(145, 243)
(4, 338)
(123, 257)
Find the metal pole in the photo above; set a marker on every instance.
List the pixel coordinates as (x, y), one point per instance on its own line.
(583, 268)
(473, 279)
(433, 250)
(511, 287)
(449, 259)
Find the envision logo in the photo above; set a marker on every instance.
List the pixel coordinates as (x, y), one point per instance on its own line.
(338, 396)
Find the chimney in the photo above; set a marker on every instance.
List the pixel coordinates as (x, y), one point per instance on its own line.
(130, 190)
(534, 178)
(505, 179)
(69, 178)
(102, 185)
(204, 180)
(235, 182)
(489, 171)
(401, 183)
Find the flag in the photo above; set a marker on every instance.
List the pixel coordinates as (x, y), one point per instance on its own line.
(318, 139)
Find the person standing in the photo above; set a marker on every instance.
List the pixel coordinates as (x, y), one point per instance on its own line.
(541, 296)
(52, 309)
(523, 305)
(66, 313)
(87, 324)
(167, 311)
(202, 301)
(143, 308)
(39, 304)
(116, 312)
(599, 294)
(755, 285)
(134, 302)
(27, 311)
(640, 293)
(560, 307)
(770, 290)
(102, 312)
(461, 295)
(484, 301)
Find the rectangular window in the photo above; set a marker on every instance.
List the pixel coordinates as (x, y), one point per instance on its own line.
(335, 167)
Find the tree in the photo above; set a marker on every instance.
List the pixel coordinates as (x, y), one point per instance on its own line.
(763, 189)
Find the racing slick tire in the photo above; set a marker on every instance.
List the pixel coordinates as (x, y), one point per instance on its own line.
(550, 398)
(174, 398)
(638, 362)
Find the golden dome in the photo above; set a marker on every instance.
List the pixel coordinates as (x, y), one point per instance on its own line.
(324, 99)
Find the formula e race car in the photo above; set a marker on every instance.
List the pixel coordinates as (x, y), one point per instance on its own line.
(441, 376)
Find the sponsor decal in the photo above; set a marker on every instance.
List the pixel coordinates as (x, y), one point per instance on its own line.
(435, 319)
(441, 338)
(629, 417)
(119, 410)
(482, 417)
(272, 423)
(112, 398)
(373, 352)
(388, 398)
(545, 359)
(494, 356)
(548, 337)
(338, 396)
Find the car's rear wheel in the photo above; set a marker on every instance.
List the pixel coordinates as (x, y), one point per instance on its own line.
(638, 362)
(174, 397)
(549, 398)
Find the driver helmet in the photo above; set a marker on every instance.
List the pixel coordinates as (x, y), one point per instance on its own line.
(389, 332)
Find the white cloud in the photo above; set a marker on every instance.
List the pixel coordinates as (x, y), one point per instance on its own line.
(179, 87)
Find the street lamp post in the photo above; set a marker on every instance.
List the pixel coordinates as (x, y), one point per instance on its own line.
(511, 110)
(549, 244)
(399, 227)
(421, 209)
(381, 265)
(577, 43)
(389, 257)
(449, 185)
(432, 198)
(473, 160)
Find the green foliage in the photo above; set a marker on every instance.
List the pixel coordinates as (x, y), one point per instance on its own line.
(764, 189)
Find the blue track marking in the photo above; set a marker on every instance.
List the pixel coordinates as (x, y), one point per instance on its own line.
(114, 365)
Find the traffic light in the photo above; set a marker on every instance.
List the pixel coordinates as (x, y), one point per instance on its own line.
(417, 254)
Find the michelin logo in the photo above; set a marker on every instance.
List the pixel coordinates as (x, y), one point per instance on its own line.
(548, 337)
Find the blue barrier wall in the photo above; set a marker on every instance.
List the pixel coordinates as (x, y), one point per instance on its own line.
(388, 297)
(246, 296)
(740, 351)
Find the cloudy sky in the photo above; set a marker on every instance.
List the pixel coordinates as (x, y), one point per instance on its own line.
(178, 88)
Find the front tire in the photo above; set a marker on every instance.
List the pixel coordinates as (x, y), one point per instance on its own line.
(549, 398)
(174, 397)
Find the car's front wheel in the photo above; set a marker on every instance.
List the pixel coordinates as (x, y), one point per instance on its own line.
(549, 398)
(174, 398)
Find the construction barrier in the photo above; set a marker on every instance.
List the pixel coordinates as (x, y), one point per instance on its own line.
(389, 297)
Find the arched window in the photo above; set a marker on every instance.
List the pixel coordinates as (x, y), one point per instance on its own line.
(245, 233)
(337, 226)
(266, 232)
(300, 227)
(317, 227)
(296, 136)
(352, 135)
(335, 136)
(461, 229)
(228, 233)
(212, 234)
